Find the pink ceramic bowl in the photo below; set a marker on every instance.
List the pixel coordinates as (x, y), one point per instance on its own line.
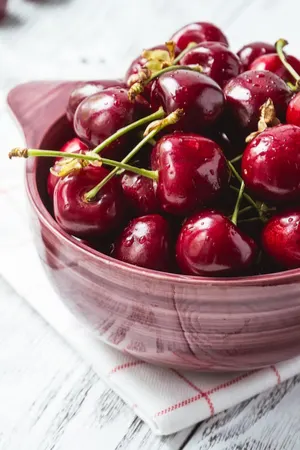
(171, 320)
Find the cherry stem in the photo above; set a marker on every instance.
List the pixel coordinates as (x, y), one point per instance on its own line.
(159, 114)
(236, 159)
(246, 209)
(248, 198)
(251, 219)
(280, 44)
(169, 120)
(32, 152)
(234, 171)
(138, 87)
(235, 214)
(184, 52)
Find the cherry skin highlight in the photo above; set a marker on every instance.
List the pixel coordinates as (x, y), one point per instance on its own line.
(272, 63)
(245, 95)
(88, 219)
(199, 96)
(192, 172)
(145, 242)
(216, 61)
(84, 90)
(253, 50)
(271, 165)
(281, 238)
(73, 146)
(198, 32)
(209, 244)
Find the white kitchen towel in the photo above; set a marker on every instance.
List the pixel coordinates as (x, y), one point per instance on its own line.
(167, 400)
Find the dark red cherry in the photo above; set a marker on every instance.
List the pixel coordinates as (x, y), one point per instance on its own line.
(272, 63)
(73, 146)
(88, 219)
(86, 89)
(271, 164)
(198, 32)
(201, 98)
(216, 60)
(140, 193)
(293, 111)
(244, 96)
(209, 244)
(145, 242)
(101, 115)
(250, 52)
(281, 238)
(192, 172)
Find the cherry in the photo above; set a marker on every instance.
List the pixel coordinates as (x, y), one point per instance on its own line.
(198, 32)
(84, 90)
(272, 63)
(271, 164)
(73, 146)
(145, 242)
(192, 172)
(281, 238)
(293, 111)
(140, 193)
(200, 97)
(88, 219)
(209, 244)
(250, 52)
(102, 114)
(216, 61)
(245, 95)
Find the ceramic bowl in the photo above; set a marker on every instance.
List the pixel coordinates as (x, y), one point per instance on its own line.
(171, 320)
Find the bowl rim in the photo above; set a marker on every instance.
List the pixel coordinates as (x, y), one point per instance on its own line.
(285, 277)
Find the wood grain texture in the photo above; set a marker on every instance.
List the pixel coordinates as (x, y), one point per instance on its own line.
(49, 398)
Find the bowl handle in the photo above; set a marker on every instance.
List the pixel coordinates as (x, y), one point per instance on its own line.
(37, 105)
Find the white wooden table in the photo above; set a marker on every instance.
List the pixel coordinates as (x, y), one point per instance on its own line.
(50, 399)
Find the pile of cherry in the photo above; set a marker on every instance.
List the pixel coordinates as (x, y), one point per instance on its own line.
(191, 164)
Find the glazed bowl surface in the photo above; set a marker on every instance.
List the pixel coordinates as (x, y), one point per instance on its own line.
(178, 321)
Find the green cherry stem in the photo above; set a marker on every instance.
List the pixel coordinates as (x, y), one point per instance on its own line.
(235, 214)
(247, 197)
(169, 120)
(184, 52)
(234, 171)
(138, 87)
(32, 152)
(280, 44)
(159, 114)
(236, 159)
(246, 209)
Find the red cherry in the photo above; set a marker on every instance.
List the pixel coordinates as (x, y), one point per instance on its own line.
(84, 90)
(293, 111)
(101, 115)
(145, 242)
(73, 146)
(209, 244)
(140, 193)
(250, 52)
(271, 164)
(199, 96)
(198, 32)
(216, 60)
(88, 219)
(244, 96)
(192, 172)
(272, 63)
(281, 238)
